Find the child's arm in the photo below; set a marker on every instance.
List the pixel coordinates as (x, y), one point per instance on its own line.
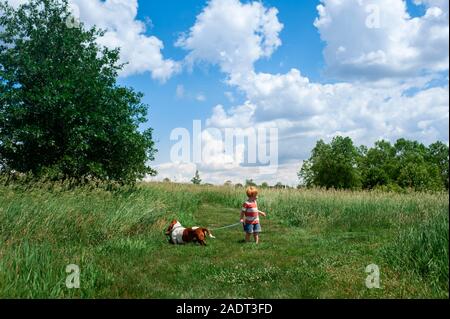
(243, 210)
(262, 213)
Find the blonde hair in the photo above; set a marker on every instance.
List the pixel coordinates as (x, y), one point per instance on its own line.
(251, 191)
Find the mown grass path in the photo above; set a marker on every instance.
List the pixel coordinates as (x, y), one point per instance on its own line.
(288, 263)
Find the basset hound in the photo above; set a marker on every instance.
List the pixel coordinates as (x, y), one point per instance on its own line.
(181, 235)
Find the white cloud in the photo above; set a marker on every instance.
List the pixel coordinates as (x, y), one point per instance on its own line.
(181, 93)
(305, 112)
(373, 40)
(286, 174)
(367, 110)
(214, 156)
(232, 35)
(443, 4)
(200, 97)
(118, 18)
(239, 116)
(183, 173)
(176, 172)
(400, 57)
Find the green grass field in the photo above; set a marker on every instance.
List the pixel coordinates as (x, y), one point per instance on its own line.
(315, 244)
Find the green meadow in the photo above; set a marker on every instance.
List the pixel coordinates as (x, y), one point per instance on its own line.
(314, 244)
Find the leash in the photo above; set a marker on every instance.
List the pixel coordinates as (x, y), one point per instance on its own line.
(228, 226)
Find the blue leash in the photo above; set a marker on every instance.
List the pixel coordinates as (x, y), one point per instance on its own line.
(228, 226)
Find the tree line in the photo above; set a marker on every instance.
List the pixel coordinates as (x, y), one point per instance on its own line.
(405, 164)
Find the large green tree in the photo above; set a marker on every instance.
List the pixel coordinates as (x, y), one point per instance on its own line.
(332, 165)
(416, 169)
(378, 166)
(61, 109)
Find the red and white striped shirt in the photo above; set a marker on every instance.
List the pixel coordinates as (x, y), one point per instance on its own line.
(251, 212)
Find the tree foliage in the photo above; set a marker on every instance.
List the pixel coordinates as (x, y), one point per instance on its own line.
(332, 165)
(249, 182)
(406, 164)
(61, 110)
(196, 179)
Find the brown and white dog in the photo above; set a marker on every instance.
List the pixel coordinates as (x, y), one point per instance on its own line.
(181, 235)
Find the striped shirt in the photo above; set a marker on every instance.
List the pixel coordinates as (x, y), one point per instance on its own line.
(251, 212)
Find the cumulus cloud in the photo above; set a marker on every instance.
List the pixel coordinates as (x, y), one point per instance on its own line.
(118, 18)
(302, 109)
(239, 116)
(305, 112)
(214, 155)
(387, 70)
(373, 40)
(232, 35)
(140, 51)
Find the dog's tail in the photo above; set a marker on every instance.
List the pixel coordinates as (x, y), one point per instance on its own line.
(206, 231)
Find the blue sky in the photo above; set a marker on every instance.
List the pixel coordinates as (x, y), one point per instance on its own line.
(367, 69)
(302, 48)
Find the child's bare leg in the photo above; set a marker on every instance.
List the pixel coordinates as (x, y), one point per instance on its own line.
(256, 235)
(247, 237)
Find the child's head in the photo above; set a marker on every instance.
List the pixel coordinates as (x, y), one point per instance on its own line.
(252, 192)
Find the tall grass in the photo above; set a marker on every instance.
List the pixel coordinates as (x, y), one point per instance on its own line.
(43, 229)
(423, 250)
(45, 226)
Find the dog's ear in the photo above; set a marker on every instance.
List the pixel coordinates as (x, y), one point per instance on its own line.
(169, 229)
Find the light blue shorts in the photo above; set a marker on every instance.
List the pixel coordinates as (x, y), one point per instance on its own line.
(252, 228)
